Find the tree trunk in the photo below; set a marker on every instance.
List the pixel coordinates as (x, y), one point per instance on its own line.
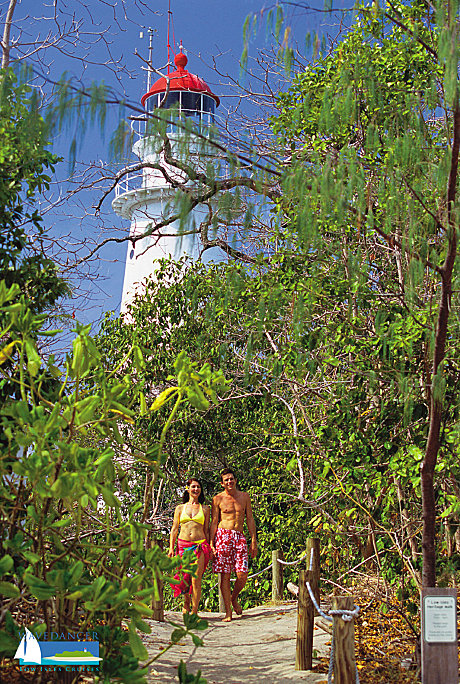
(437, 402)
(6, 34)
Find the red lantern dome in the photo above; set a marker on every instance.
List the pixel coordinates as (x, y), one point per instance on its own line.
(181, 79)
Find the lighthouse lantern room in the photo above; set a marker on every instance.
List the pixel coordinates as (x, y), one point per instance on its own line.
(189, 93)
(146, 198)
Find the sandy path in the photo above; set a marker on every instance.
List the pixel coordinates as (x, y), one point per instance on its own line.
(257, 648)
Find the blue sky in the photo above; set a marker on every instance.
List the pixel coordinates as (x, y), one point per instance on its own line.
(212, 35)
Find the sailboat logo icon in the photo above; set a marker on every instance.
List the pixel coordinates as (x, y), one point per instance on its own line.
(29, 650)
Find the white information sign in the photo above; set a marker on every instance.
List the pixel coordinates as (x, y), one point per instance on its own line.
(439, 619)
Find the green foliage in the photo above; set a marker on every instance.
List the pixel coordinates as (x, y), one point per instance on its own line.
(68, 553)
(366, 190)
(77, 110)
(328, 337)
(25, 164)
(187, 678)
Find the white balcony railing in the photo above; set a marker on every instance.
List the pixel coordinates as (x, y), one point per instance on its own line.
(130, 182)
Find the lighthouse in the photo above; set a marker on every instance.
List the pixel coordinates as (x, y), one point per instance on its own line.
(150, 197)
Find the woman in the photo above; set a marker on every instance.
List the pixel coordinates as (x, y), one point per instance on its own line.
(193, 520)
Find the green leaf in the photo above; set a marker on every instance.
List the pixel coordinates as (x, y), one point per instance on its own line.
(109, 498)
(9, 590)
(141, 624)
(8, 644)
(177, 635)
(163, 398)
(137, 647)
(196, 640)
(33, 358)
(292, 464)
(6, 563)
(6, 351)
(39, 588)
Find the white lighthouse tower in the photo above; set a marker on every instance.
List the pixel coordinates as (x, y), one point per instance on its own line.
(146, 198)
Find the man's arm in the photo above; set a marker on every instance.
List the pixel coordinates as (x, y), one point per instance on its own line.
(215, 518)
(251, 527)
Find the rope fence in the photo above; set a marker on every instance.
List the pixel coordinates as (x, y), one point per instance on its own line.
(256, 574)
(299, 560)
(280, 561)
(347, 616)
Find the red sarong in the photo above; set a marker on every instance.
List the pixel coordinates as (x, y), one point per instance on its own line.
(185, 585)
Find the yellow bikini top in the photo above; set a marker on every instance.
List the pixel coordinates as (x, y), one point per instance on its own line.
(198, 518)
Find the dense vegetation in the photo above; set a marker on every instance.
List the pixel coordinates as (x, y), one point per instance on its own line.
(339, 334)
(70, 561)
(336, 330)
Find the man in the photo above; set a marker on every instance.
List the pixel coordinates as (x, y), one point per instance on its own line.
(229, 511)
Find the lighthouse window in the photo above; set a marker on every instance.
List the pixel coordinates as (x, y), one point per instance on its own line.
(208, 110)
(154, 101)
(208, 104)
(172, 100)
(191, 102)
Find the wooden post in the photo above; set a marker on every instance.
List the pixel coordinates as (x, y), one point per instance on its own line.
(221, 596)
(277, 576)
(439, 636)
(344, 642)
(305, 614)
(312, 559)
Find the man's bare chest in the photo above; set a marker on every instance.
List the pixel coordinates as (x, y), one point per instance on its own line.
(232, 506)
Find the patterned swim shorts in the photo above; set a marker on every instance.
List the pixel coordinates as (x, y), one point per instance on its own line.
(231, 551)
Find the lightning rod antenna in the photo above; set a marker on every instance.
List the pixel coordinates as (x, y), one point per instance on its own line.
(169, 27)
(150, 60)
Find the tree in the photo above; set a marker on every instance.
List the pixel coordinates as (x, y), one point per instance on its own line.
(376, 159)
(363, 203)
(25, 162)
(251, 428)
(71, 562)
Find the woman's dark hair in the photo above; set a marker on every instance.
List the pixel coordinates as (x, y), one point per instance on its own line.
(186, 495)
